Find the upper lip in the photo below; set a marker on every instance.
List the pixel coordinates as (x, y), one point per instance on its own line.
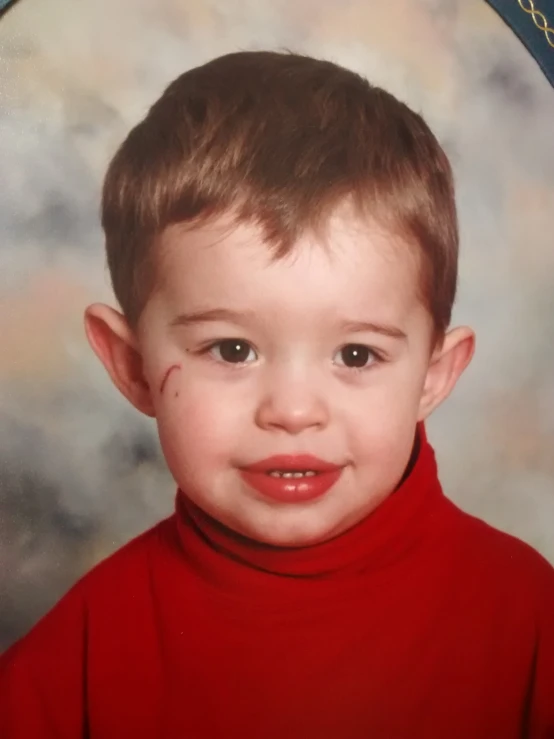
(291, 463)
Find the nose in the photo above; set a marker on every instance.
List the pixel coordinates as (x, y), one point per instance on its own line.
(292, 405)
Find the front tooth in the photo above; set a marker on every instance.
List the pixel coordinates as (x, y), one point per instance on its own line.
(308, 473)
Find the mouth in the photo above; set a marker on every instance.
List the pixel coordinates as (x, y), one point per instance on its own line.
(292, 478)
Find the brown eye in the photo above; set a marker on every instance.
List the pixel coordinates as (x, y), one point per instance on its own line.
(232, 351)
(356, 356)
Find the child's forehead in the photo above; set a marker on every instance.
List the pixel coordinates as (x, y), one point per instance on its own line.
(344, 243)
(352, 265)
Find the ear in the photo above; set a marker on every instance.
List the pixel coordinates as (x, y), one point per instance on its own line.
(115, 345)
(448, 361)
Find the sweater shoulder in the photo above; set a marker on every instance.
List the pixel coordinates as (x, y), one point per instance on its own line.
(129, 563)
(496, 554)
(110, 582)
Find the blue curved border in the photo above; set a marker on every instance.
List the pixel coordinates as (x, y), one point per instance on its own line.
(523, 26)
(4, 4)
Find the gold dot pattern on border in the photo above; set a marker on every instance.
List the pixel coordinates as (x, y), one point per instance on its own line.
(539, 20)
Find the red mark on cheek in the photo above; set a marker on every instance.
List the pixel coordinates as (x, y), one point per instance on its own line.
(168, 372)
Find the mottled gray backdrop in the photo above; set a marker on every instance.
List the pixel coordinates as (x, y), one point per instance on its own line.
(80, 471)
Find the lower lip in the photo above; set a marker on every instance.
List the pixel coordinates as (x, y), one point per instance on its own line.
(292, 489)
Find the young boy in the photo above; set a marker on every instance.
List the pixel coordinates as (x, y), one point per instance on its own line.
(282, 241)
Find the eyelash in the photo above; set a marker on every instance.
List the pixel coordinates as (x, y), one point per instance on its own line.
(378, 358)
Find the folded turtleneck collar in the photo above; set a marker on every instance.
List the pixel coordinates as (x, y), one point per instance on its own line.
(233, 561)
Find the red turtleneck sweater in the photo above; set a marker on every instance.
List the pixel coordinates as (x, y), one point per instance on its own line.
(419, 622)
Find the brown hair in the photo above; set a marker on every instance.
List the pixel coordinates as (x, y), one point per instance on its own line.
(281, 139)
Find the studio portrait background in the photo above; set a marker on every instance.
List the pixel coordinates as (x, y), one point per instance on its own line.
(80, 471)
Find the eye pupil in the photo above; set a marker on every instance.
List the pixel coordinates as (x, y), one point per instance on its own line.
(234, 351)
(355, 355)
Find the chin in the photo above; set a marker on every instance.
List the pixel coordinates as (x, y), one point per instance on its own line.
(294, 536)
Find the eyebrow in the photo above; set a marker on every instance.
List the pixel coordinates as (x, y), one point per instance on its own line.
(212, 315)
(247, 316)
(352, 327)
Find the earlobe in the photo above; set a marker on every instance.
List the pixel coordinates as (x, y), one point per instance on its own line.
(114, 344)
(446, 366)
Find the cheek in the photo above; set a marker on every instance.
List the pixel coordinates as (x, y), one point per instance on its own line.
(195, 423)
(393, 395)
(383, 423)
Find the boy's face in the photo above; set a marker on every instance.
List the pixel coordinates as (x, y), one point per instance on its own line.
(278, 370)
